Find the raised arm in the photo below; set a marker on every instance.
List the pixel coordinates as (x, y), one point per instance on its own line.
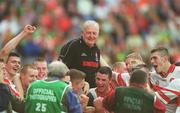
(1, 73)
(13, 42)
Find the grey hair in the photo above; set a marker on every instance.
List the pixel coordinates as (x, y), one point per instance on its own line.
(90, 23)
(57, 68)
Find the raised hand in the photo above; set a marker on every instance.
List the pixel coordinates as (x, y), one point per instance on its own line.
(98, 103)
(84, 100)
(29, 29)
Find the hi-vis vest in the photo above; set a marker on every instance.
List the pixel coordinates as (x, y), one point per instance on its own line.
(45, 97)
(133, 100)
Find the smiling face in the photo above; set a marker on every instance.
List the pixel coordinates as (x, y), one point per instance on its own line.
(102, 82)
(90, 34)
(158, 62)
(28, 76)
(13, 65)
(42, 69)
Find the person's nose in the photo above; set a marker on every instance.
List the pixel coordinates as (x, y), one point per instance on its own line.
(100, 82)
(151, 61)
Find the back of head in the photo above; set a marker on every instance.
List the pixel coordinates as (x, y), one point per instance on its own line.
(105, 70)
(76, 75)
(143, 67)
(119, 67)
(138, 77)
(57, 69)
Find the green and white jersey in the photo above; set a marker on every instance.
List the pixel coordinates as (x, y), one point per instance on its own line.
(45, 97)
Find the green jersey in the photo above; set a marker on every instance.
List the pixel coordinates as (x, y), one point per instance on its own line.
(133, 100)
(45, 97)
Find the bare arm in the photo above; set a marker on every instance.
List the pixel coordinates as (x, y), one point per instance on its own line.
(1, 73)
(14, 42)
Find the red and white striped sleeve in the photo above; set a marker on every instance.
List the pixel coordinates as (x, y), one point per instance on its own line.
(158, 106)
(123, 79)
(169, 93)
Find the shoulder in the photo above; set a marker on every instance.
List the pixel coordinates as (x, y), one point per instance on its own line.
(96, 48)
(71, 43)
(92, 93)
(177, 69)
(118, 89)
(92, 90)
(36, 82)
(154, 76)
(125, 75)
(175, 84)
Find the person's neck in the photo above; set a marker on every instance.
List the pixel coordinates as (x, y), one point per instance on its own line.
(166, 68)
(24, 87)
(136, 85)
(10, 77)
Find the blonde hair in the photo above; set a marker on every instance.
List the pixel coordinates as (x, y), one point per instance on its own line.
(137, 59)
(135, 56)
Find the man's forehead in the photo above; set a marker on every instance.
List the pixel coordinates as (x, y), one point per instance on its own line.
(129, 60)
(155, 54)
(14, 58)
(98, 74)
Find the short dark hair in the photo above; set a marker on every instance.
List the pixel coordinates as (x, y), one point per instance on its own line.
(76, 75)
(105, 70)
(13, 54)
(139, 77)
(162, 50)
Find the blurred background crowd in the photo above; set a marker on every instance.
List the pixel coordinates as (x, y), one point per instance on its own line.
(125, 26)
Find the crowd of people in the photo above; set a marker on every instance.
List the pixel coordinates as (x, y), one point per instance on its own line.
(85, 76)
(80, 80)
(126, 25)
